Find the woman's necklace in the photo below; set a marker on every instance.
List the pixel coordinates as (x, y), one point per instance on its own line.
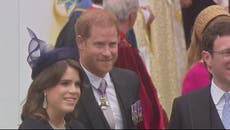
(55, 127)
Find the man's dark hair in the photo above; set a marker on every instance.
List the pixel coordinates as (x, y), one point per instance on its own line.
(98, 2)
(218, 29)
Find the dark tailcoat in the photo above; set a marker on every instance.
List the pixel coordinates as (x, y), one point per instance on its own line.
(195, 110)
(126, 86)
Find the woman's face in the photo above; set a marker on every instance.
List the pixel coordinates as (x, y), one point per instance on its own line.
(63, 97)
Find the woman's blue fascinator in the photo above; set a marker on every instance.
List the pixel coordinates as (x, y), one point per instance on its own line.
(41, 55)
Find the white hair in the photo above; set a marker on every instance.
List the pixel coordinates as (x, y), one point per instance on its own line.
(121, 8)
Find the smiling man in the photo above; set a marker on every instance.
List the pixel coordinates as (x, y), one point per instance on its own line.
(107, 98)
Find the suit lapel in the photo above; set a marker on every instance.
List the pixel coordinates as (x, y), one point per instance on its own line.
(91, 106)
(203, 111)
(121, 92)
(216, 122)
(200, 110)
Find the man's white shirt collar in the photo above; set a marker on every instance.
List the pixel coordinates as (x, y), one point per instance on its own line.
(95, 80)
(216, 93)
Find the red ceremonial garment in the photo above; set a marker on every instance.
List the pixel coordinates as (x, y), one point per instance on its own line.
(129, 58)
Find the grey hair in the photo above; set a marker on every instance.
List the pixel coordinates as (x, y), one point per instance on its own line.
(121, 8)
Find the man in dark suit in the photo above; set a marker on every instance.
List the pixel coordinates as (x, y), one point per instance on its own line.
(97, 39)
(205, 108)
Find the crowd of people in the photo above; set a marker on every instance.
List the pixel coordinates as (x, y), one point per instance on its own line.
(119, 64)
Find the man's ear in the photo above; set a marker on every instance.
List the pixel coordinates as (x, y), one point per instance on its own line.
(207, 58)
(132, 18)
(79, 42)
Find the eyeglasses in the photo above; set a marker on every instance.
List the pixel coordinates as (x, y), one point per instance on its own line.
(225, 53)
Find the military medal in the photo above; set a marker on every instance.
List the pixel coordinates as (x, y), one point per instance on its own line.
(103, 102)
(136, 110)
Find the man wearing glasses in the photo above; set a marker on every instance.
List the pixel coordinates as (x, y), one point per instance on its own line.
(208, 107)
